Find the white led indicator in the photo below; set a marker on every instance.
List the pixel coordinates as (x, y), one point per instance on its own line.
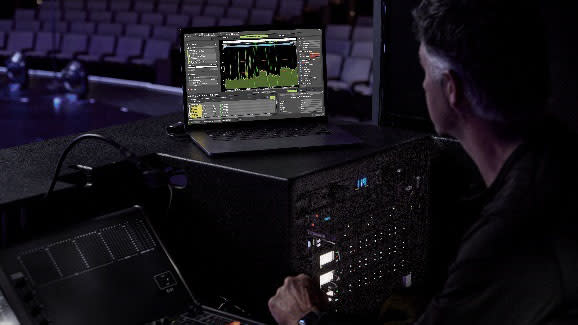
(326, 258)
(326, 278)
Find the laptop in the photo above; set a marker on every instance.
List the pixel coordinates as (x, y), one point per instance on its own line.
(254, 88)
(112, 270)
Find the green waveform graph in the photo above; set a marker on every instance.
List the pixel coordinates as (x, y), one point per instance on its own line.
(255, 65)
(286, 78)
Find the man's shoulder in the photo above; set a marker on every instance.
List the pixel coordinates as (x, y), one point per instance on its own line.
(540, 186)
(495, 237)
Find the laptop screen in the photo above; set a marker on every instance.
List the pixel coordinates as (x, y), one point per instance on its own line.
(234, 76)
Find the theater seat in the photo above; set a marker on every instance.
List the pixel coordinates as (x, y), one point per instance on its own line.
(193, 2)
(49, 14)
(334, 63)
(82, 27)
(75, 15)
(27, 25)
(152, 18)
(363, 49)
(230, 22)
(340, 47)
(126, 17)
(219, 3)
(338, 32)
(355, 70)
(242, 3)
(45, 43)
(127, 48)
(317, 4)
(202, 21)
(168, 7)
(364, 89)
(214, 11)
(120, 5)
(100, 45)
(72, 44)
(166, 33)
(143, 6)
(261, 17)
(362, 33)
(192, 10)
(289, 9)
(138, 30)
(266, 4)
(24, 14)
(238, 13)
(109, 29)
(178, 20)
(57, 27)
(18, 41)
(71, 4)
(96, 5)
(154, 50)
(6, 25)
(100, 16)
(364, 21)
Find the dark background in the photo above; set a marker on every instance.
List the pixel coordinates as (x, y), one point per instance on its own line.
(402, 76)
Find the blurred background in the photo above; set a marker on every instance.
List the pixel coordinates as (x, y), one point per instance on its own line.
(128, 61)
(136, 40)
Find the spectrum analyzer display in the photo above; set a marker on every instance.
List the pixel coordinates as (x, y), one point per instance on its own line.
(254, 75)
(263, 63)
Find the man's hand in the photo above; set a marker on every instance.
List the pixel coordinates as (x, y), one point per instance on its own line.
(297, 297)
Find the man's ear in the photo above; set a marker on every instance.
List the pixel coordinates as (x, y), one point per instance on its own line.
(453, 91)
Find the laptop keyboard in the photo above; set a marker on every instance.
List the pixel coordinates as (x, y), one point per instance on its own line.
(266, 133)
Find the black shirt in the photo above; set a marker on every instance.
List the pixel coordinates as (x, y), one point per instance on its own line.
(518, 262)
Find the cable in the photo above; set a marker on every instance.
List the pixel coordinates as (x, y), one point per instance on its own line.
(170, 200)
(127, 153)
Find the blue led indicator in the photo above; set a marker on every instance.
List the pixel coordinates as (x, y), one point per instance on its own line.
(362, 182)
(327, 218)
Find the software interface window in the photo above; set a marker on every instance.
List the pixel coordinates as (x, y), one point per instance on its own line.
(254, 75)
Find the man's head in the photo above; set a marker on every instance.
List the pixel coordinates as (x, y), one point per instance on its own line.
(483, 58)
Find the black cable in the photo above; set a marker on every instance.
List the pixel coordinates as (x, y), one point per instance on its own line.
(127, 153)
(170, 201)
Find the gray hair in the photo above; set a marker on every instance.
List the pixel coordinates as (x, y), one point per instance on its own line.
(480, 108)
(497, 50)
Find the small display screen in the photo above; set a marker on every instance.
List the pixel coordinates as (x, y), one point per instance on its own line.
(326, 278)
(326, 258)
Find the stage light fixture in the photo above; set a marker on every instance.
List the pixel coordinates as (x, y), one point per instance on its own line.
(74, 80)
(17, 72)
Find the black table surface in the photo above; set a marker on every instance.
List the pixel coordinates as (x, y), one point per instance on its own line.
(26, 171)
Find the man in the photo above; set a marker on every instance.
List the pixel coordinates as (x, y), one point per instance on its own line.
(486, 85)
